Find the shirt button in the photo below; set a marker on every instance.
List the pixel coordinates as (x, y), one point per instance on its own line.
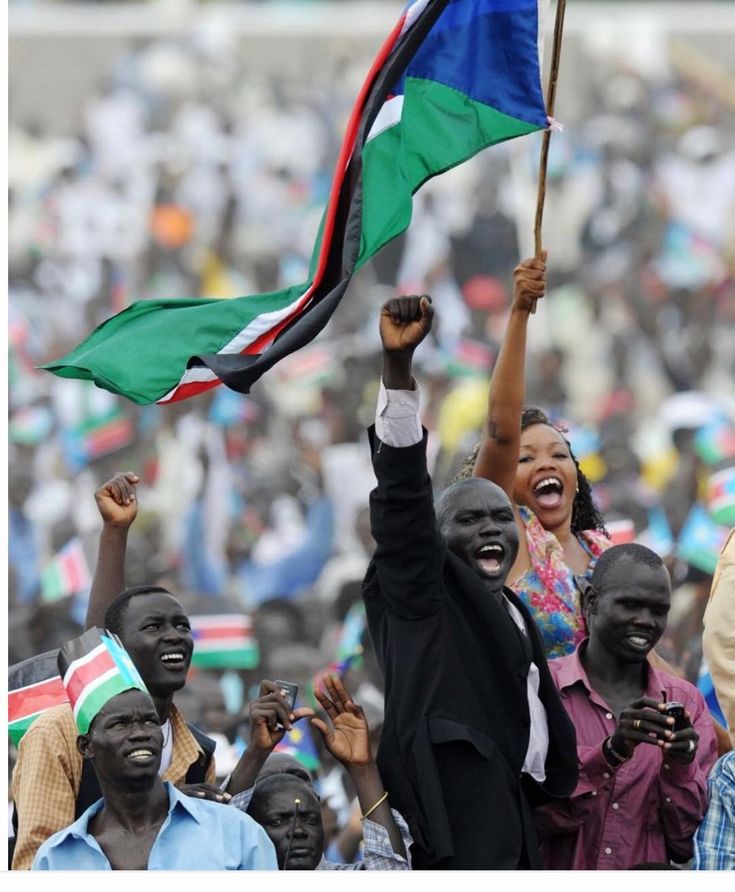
(666, 765)
(608, 851)
(608, 715)
(616, 806)
(594, 792)
(606, 775)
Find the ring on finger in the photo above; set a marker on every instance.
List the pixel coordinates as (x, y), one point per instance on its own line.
(637, 725)
(691, 746)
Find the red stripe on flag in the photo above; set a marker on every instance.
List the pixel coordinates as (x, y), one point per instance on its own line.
(220, 632)
(72, 569)
(348, 146)
(35, 698)
(87, 672)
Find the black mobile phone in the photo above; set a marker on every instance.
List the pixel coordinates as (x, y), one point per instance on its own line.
(289, 690)
(676, 710)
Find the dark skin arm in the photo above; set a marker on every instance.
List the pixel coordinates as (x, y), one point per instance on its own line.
(118, 506)
(500, 444)
(266, 713)
(404, 323)
(348, 741)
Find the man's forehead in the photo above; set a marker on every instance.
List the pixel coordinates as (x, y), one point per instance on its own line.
(154, 604)
(628, 577)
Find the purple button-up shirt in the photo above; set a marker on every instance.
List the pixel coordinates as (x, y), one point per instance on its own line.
(618, 817)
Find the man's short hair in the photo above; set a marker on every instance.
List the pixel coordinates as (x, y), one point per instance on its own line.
(118, 607)
(274, 783)
(608, 567)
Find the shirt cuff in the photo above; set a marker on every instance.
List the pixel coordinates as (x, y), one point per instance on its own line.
(397, 419)
(241, 800)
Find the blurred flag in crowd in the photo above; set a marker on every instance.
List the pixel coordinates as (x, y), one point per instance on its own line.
(621, 531)
(67, 574)
(299, 743)
(715, 442)
(34, 685)
(30, 426)
(701, 540)
(707, 689)
(348, 652)
(229, 408)
(721, 497)
(95, 436)
(658, 536)
(224, 641)
(470, 358)
(453, 77)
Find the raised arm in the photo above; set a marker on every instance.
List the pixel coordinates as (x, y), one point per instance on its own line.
(118, 507)
(497, 459)
(404, 576)
(348, 740)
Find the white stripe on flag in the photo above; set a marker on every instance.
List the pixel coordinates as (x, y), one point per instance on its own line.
(202, 647)
(82, 661)
(259, 326)
(92, 687)
(388, 116)
(412, 13)
(223, 619)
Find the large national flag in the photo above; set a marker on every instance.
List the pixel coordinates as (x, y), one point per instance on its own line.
(224, 641)
(34, 685)
(453, 77)
(94, 668)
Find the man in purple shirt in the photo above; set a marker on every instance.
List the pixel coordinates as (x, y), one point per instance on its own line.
(642, 788)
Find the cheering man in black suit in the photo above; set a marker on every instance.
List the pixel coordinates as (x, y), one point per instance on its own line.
(474, 733)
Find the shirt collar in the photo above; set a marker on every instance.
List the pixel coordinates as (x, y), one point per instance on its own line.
(177, 799)
(572, 671)
(185, 750)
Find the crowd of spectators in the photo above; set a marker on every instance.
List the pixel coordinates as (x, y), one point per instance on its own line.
(184, 179)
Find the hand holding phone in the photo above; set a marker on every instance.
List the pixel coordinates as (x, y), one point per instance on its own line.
(289, 690)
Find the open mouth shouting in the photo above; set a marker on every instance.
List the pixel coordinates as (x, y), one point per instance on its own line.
(549, 492)
(175, 659)
(490, 559)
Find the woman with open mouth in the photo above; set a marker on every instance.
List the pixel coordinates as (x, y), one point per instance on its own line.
(532, 462)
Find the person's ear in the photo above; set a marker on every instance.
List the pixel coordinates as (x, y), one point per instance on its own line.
(84, 745)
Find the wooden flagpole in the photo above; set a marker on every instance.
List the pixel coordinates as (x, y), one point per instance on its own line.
(550, 101)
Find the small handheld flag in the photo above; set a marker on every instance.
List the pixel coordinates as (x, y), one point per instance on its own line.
(34, 686)
(224, 641)
(94, 668)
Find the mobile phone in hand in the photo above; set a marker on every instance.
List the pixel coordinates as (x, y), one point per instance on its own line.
(289, 690)
(676, 710)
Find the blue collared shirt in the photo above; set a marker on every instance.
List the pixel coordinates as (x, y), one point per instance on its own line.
(196, 835)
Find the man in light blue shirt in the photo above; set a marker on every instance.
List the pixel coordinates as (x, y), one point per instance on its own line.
(142, 822)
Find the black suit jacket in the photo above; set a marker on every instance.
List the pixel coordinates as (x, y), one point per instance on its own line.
(455, 673)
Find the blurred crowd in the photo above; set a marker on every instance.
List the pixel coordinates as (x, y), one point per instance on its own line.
(185, 179)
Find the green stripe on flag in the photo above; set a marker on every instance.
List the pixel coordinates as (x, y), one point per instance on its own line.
(399, 160)
(146, 375)
(18, 728)
(94, 698)
(223, 658)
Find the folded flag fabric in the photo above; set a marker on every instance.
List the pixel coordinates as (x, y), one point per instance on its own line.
(224, 641)
(701, 540)
(67, 574)
(299, 743)
(721, 497)
(715, 442)
(706, 687)
(453, 77)
(34, 685)
(95, 668)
